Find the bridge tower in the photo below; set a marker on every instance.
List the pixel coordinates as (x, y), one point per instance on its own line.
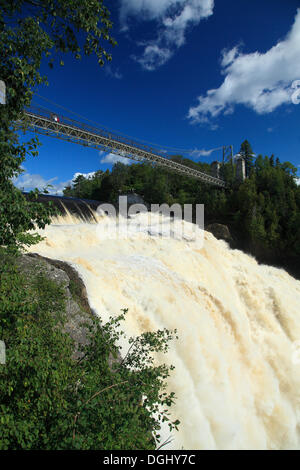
(240, 168)
(227, 153)
(215, 169)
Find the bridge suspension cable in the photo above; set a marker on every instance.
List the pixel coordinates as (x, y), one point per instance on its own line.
(45, 122)
(193, 151)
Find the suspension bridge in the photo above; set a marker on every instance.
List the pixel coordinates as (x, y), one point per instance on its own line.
(46, 122)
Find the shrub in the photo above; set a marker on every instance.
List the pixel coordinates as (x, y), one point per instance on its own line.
(50, 401)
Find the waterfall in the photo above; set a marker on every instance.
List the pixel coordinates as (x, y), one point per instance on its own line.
(237, 368)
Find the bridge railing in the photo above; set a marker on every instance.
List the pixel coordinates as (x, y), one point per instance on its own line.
(43, 119)
(104, 132)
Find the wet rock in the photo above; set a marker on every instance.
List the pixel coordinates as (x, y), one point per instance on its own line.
(220, 231)
(78, 312)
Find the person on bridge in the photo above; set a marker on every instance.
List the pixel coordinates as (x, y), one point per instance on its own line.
(55, 117)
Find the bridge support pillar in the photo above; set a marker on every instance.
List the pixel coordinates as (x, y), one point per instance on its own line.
(240, 169)
(215, 169)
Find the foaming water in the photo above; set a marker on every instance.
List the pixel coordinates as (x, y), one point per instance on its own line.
(236, 382)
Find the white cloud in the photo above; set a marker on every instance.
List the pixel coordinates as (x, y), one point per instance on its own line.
(148, 9)
(201, 153)
(298, 181)
(153, 57)
(173, 17)
(112, 73)
(112, 158)
(28, 182)
(86, 175)
(228, 56)
(260, 81)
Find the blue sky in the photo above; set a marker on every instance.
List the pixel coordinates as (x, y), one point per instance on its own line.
(190, 74)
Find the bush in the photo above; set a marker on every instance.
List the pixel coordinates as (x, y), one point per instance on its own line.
(50, 401)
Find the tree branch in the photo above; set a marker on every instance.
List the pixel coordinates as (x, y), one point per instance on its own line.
(91, 398)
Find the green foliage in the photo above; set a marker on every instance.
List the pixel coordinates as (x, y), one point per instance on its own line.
(267, 207)
(29, 32)
(48, 400)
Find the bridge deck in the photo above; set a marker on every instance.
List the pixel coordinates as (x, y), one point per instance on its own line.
(40, 121)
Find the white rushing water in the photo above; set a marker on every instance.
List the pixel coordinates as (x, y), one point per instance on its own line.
(237, 375)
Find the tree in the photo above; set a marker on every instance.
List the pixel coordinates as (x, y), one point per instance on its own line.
(289, 168)
(228, 173)
(29, 31)
(119, 177)
(156, 188)
(259, 164)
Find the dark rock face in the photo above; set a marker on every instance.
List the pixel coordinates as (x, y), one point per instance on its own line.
(77, 307)
(237, 240)
(220, 231)
(79, 314)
